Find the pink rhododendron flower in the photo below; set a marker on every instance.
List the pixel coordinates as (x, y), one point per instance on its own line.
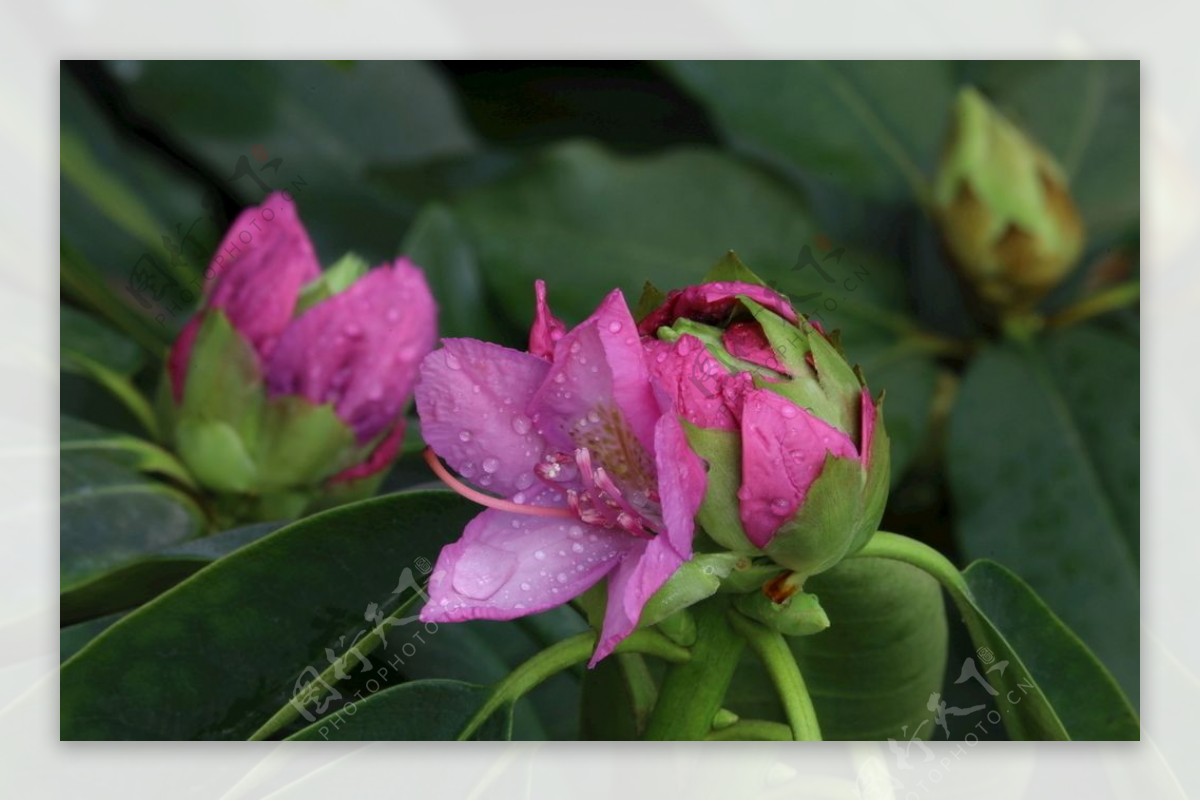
(357, 350)
(595, 473)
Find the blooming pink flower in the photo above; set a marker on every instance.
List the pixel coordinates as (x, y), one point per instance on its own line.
(595, 472)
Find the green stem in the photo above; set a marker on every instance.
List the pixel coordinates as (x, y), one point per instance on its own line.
(120, 388)
(691, 693)
(1112, 298)
(559, 657)
(772, 649)
(886, 545)
(752, 730)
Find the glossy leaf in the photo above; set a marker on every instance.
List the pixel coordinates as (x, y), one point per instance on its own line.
(111, 515)
(83, 334)
(434, 709)
(149, 574)
(1084, 695)
(872, 127)
(871, 673)
(1043, 466)
(223, 651)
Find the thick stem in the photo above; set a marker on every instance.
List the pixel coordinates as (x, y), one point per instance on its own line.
(752, 730)
(691, 693)
(777, 658)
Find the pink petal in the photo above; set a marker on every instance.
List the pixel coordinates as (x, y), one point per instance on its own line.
(702, 390)
(599, 371)
(259, 268)
(547, 329)
(484, 433)
(783, 452)
(746, 340)
(360, 349)
(180, 356)
(713, 303)
(868, 426)
(509, 565)
(645, 568)
(379, 459)
(682, 481)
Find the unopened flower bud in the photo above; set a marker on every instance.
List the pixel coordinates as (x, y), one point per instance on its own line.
(1004, 208)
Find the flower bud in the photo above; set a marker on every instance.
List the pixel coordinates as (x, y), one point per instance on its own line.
(1004, 208)
(290, 384)
(796, 449)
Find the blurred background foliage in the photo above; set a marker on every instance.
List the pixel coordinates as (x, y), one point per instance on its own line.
(594, 175)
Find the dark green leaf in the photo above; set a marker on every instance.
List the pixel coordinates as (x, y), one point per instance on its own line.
(872, 672)
(148, 574)
(111, 515)
(222, 652)
(85, 335)
(434, 709)
(71, 639)
(1043, 466)
(1083, 694)
(873, 127)
(313, 129)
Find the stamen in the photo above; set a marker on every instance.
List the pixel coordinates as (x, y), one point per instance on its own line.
(490, 501)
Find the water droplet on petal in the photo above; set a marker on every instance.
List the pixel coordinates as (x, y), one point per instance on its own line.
(593, 416)
(524, 481)
(562, 578)
(491, 465)
(521, 424)
(519, 498)
(788, 411)
(525, 585)
(576, 547)
(482, 570)
(560, 378)
(476, 389)
(452, 361)
(539, 554)
(614, 326)
(780, 506)
(485, 480)
(575, 532)
(464, 436)
(575, 347)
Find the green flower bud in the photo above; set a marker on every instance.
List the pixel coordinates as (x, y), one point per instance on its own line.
(1004, 208)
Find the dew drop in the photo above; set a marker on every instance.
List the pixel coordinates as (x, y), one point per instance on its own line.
(519, 498)
(522, 424)
(562, 578)
(452, 361)
(485, 480)
(524, 481)
(779, 506)
(560, 378)
(476, 389)
(576, 547)
(491, 465)
(539, 554)
(464, 436)
(575, 532)
(788, 411)
(525, 585)
(593, 416)
(614, 326)
(575, 347)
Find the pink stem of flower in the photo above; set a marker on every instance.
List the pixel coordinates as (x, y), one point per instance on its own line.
(490, 501)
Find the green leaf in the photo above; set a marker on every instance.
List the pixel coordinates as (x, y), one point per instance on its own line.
(149, 574)
(136, 236)
(1039, 668)
(438, 244)
(1086, 113)
(873, 127)
(217, 655)
(1043, 467)
(1083, 694)
(77, 435)
(318, 131)
(871, 673)
(83, 334)
(434, 709)
(110, 515)
(72, 638)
